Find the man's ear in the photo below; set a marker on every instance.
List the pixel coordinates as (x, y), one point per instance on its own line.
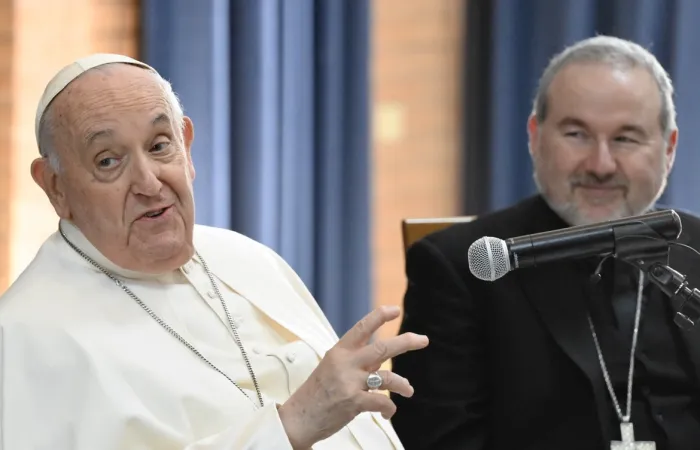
(533, 133)
(671, 150)
(188, 137)
(46, 177)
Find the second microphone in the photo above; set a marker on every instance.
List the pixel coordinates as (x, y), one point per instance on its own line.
(491, 258)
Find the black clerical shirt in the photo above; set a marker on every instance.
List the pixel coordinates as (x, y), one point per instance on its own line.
(665, 406)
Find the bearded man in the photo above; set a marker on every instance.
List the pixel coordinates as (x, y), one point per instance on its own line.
(540, 359)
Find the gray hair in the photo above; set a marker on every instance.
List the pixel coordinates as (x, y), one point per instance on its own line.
(47, 124)
(618, 53)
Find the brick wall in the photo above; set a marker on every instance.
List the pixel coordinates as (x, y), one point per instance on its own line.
(6, 40)
(47, 34)
(417, 70)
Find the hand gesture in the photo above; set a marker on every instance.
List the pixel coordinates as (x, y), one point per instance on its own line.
(338, 389)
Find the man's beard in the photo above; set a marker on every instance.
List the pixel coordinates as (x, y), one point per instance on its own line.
(573, 215)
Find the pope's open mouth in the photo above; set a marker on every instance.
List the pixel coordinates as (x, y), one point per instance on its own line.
(155, 213)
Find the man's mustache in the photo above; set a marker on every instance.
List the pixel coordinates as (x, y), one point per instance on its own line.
(592, 180)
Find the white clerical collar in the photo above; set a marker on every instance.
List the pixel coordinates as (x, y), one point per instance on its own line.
(78, 239)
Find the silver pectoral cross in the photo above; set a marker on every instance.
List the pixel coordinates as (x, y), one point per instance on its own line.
(628, 442)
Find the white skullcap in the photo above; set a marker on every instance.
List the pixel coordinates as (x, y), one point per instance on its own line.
(72, 71)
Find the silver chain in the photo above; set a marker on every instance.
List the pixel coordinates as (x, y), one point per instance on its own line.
(174, 333)
(623, 417)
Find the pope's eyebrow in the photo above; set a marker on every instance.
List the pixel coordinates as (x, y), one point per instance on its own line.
(92, 136)
(160, 119)
(98, 134)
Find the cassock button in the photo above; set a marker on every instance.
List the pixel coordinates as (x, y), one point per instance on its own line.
(211, 294)
(291, 357)
(256, 350)
(186, 268)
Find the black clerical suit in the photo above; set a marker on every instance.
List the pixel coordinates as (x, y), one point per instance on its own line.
(512, 364)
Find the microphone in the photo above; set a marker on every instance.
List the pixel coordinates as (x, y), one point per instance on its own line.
(491, 258)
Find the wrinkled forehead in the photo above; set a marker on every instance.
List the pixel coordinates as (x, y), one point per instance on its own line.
(112, 98)
(110, 84)
(68, 74)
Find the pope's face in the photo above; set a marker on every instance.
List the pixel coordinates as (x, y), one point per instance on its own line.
(125, 175)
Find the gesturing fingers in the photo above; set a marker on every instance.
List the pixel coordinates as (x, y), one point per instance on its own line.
(375, 354)
(364, 329)
(390, 382)
(377, 403)
(370, 401)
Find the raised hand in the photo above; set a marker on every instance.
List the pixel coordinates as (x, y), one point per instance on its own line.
(337, 390)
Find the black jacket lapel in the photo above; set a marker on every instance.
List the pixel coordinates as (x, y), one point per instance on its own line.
(559, 291)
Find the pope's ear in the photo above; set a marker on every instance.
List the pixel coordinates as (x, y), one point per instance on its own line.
(188, 137)
(48, 179)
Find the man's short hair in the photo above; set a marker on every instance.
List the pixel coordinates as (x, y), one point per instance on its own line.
(617, 53)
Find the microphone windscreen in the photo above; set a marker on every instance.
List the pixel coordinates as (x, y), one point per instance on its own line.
(488, 258)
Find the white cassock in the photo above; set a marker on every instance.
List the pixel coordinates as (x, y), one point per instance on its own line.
(84, 367)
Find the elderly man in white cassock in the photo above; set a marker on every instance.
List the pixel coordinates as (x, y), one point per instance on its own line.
(134, 328)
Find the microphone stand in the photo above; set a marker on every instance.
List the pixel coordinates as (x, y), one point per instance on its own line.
(674, 284)
(639, 245)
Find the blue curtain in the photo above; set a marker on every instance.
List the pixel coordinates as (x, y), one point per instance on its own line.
(278, 91)
(521, 37)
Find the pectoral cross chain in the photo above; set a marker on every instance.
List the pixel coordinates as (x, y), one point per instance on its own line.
(628, 442)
